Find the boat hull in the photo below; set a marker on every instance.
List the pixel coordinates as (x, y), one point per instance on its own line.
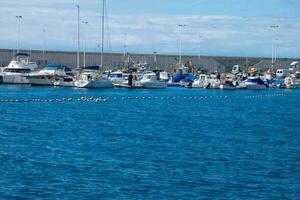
(173, 84)
(93, 84)
(292, 86)
(256, 87)
(153, 85)
(227, 87)
(14, 79)
(63, 83)
(40, 80)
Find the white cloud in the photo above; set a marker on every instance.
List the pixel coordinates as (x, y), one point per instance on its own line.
(145, 33)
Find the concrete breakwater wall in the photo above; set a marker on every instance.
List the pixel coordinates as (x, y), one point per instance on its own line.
(115, 60)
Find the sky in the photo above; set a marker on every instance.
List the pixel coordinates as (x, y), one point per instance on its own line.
(213, 27)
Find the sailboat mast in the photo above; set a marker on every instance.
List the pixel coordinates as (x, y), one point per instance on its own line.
(102, 42)
(19, 30)
(78, 36)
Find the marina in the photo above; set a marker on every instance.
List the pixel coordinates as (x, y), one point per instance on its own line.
(149, 100)
(58, 75)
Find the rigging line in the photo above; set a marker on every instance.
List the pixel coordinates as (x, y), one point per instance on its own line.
(107, 27)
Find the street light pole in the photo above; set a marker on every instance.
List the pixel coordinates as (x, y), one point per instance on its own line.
(19, 34)
(180, 43)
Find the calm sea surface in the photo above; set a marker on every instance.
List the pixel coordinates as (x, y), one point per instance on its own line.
(158, 144)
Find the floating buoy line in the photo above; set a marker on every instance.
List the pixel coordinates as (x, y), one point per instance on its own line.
(56, 100)
(123, 98)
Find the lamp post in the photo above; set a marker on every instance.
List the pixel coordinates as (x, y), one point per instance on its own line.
(84, 50)
(19, 34)
(180, 43)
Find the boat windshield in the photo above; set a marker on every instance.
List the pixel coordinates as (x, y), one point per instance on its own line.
(255, 80)
(115, 75)
(150, 77)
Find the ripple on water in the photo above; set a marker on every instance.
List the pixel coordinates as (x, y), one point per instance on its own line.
(150, 147)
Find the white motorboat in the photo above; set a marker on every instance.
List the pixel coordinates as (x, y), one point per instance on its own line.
(92, 79)
(118, 78)
(18, 69)
(52, 74)
(150, 81)
(255, 83)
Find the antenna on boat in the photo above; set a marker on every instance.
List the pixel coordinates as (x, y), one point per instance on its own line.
(199, 53)
(180, 43)
(78, 36)
(273, 27)
(19, 34)
(44, 43)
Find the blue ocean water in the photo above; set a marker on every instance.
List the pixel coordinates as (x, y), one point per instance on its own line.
(176, 143)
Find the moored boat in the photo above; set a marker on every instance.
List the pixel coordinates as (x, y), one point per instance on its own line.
(201, 82)
(118, 78)
(90, 77)
(18, 69)
(290, 83)
(52, 74)
(150, 80)
(255, 83)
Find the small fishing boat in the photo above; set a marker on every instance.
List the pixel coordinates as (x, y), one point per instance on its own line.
(150, 80)
(255, 83)
(201, 82)
(290, 83)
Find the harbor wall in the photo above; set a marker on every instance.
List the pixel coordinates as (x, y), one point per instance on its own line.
(116, 60)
